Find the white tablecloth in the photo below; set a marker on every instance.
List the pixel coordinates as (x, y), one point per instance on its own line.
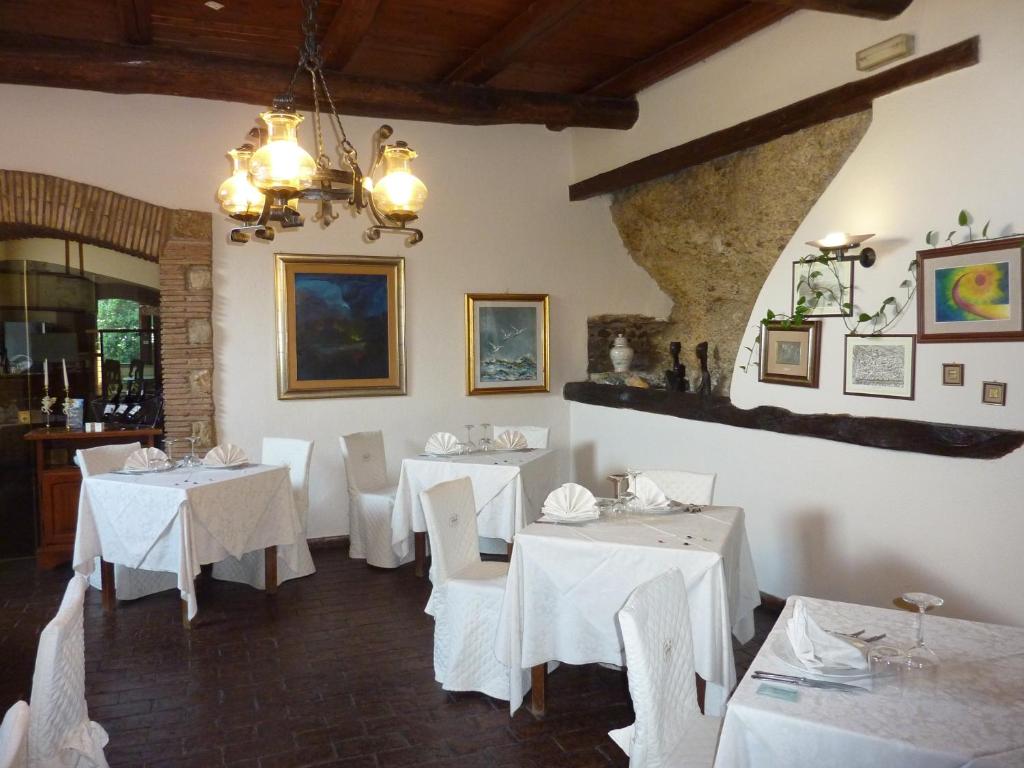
(972, 707)
(509, 488)
(176, 521)
(567, 583)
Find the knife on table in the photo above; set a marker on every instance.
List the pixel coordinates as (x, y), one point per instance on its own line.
(806, 682)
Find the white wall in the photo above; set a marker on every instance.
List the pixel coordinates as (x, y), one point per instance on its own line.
(829, 519)
(99, 261)
(498, 219)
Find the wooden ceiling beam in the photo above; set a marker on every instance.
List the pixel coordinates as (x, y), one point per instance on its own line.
(113, 68)
(540, 18)
(855, 96)
(136, 19)
(350, 24)
(716, 36)
(869, 9)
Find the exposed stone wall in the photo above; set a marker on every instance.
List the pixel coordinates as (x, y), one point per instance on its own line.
(641, 332)
(181, 242)
(710, 235)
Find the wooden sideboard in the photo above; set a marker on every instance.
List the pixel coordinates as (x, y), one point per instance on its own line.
(58, 481)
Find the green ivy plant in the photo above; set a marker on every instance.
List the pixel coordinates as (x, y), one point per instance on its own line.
(963, 219)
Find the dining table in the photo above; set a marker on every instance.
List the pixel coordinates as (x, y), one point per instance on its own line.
(180, 519)
(509, 488)
(967, 712)
(567, 582)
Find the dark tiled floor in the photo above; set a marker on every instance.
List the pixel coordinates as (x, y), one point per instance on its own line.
(337, 670)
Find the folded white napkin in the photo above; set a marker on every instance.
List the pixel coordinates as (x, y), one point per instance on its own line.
(442, 444)
(816, 648)
(510, 440)
(226, 455)
(649, 493)
(146, 458)
(570, 502)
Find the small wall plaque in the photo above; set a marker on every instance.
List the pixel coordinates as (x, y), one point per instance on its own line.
(953, 374)
(993, 392)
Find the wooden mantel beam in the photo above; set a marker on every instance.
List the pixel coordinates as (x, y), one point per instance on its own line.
(700, 45)
(855, 96)
(136, 19)
(539, 18)
(112, 68)
(350, 23)
(871, 9)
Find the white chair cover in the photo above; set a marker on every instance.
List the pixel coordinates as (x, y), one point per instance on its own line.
(14, 737)
(370, 500)
(250, 568)
(130, 583)
(466, 597)
(536, 437)
(669, 731)
(60, 734)
(684, 487)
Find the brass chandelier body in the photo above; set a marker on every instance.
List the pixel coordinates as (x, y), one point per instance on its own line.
(269, 181)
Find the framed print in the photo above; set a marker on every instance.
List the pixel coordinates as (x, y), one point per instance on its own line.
(993, 392)
(880, 366)
(340, 326)
(836, 287)
(971, 292)
(790, 355)
(953, 374)
(506, 343)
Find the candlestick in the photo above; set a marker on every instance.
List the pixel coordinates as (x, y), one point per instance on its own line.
(46, 373)
(69, 405)
(47, 403)
(64, 365)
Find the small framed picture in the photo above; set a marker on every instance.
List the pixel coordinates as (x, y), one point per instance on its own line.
(506, 343)
(953, 374)
(828, 288)
(790, 355)
(880, 366)
(993, 392)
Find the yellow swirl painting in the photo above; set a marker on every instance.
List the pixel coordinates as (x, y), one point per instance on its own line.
(973, 292)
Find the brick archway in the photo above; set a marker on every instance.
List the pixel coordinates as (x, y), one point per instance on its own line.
(181, 242)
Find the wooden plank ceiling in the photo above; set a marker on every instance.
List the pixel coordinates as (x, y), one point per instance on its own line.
(555, 62)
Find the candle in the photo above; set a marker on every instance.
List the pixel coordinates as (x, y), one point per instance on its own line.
(64, 365)
(46, 373)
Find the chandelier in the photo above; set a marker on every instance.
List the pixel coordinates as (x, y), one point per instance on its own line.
(270, 179)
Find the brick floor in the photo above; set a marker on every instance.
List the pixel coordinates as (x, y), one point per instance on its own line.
(336, 671)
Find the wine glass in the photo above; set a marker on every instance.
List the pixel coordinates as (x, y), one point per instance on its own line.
(191, 460)
(470, 445)
(632, 503)
(919, 655)
(169, 443)
(486, 443)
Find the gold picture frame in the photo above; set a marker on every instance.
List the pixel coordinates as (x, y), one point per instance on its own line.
(507, 343)
(340, 326)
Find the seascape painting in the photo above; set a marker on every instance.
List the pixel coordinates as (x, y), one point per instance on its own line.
(506, 343)
(977, 292)
(340, 326)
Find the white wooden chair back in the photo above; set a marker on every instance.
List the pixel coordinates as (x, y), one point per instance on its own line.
(365, 463)
(105, 458)
(682, 486)
(14, 736)
(450, 512)
(296, 455)
(536, 437)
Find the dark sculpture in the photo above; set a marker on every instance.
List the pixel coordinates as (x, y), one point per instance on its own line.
(675, 377)
(704, 386)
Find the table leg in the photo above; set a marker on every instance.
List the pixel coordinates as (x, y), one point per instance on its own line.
(420, 545)
(108, 587)
(270, 570)
(701, 688)
(184, 614)
(538, 681)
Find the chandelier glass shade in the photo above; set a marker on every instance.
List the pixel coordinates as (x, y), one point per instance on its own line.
(268, 183)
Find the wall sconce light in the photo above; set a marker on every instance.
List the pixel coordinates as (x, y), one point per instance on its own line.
(838, 243)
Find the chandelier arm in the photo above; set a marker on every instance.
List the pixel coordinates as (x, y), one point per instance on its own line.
(345, 147)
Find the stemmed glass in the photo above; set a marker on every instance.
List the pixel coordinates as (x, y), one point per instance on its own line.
(631, 502)
(919, 655)
(486, 444)
(169, 443)
(470, 445)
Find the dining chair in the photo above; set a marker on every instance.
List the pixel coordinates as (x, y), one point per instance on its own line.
(250, 568)
(129, 583)
(14, 736)
(536, 437)
(466, 597)
(669, 730)
(682, 486)
(370, 500)
(59, 730)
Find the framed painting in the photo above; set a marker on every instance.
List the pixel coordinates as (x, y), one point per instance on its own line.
(506, 343)
(340, 326)
(993, 392)
(880, 366)
(971, 292)
(790, 354)
(952, 374)
(834, 282)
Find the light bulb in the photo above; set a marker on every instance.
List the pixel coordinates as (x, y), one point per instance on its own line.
(281, 165)
(399, 195)
(237, 195)
(835, 239)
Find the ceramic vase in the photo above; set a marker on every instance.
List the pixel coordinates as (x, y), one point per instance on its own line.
(621, 354)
